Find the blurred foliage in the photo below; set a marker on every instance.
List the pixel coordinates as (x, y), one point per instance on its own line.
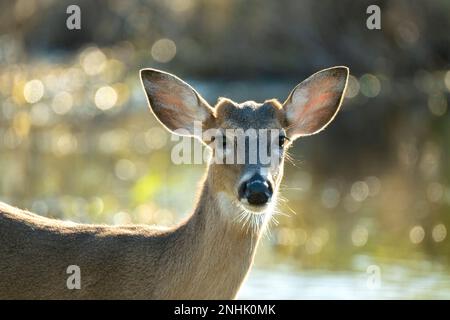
(77, 141)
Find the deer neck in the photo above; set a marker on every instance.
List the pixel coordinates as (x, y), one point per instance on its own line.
(221, 244)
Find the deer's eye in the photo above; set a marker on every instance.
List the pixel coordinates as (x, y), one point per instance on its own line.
(282, 141)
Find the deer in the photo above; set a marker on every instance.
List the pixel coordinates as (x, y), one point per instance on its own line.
(206, 256)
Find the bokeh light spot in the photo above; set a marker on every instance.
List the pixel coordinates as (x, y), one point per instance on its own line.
(370, 85)
(447, 80)
(330, 197)
(439, 232)
(359, 191)
(437, 103)
(93, 61)
(125, 169)
(164, 50)
(105, 98)
(65, 144)
(156, 138)
(33, 91)
(24, 9)
(62, 102)
(352, 87)
(416, 234)
(360, 235)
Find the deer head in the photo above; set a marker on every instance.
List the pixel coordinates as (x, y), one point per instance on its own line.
(269, 127)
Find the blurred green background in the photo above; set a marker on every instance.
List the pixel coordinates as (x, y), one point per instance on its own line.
(77, 141)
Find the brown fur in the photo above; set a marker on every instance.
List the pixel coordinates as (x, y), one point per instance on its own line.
(206, 257)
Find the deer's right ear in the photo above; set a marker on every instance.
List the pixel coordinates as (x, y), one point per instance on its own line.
(175, 103)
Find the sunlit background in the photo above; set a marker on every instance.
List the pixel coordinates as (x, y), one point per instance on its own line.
(372, 192)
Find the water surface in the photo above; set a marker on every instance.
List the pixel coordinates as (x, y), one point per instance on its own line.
(396, 282)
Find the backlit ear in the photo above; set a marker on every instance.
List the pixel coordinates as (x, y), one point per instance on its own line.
(175, 103)
(314, 103)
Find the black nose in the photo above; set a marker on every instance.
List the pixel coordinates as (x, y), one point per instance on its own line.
(257, 191)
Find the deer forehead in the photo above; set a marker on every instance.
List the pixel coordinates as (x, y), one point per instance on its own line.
(249, 115)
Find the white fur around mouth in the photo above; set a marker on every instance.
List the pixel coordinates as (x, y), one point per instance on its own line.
(244, 205)
(253, 219)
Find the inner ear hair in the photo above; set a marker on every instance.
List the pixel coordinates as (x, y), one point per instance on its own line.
(314, 103)
(174, 102)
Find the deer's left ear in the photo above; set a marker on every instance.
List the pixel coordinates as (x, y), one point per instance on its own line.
(313, 104)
